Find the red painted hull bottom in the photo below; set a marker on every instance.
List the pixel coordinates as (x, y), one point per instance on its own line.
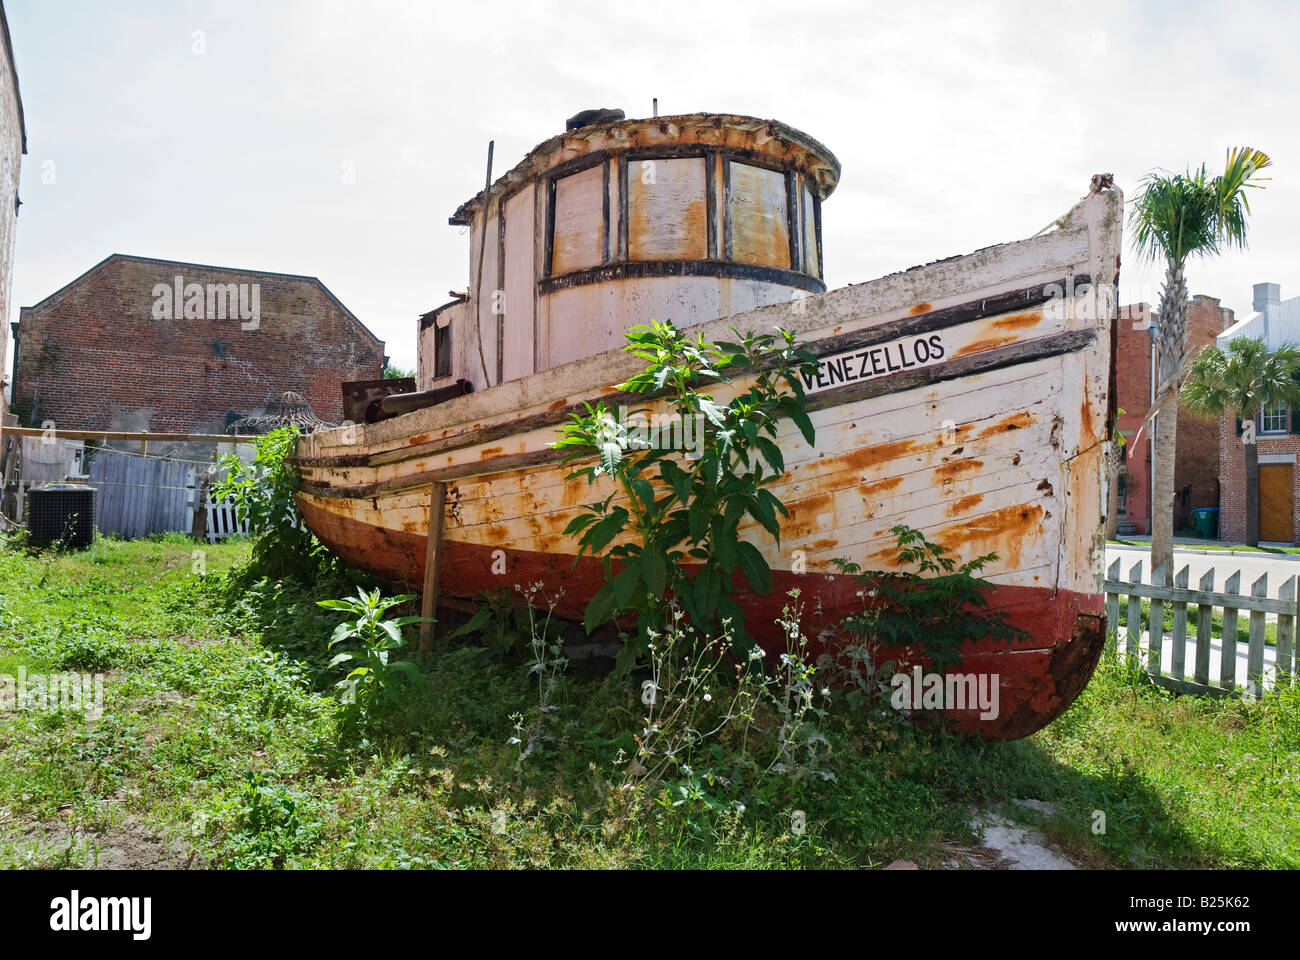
(1037, 679)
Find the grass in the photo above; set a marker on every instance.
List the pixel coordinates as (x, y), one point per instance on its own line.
(221, 746)
(1193, 619)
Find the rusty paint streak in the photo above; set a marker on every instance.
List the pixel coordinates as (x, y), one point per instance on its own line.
(418, 438)
(979, 346)
(880, 453)
(871, 490)
(1002, 532)
(488, 452)
(1013, 422)
(1087, 430)
(1018, 321)
(965, 505)
(947, 471)
(921, 308)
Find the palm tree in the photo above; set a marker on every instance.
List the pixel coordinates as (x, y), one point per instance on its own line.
(1242, 382)
(1175, 217)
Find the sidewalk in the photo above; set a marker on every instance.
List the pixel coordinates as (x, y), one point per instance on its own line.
(1190, 545)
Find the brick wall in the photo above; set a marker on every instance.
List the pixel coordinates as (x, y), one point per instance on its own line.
(1196, 468)
(1232, 460)
(1133, 396)
(1197, 465)
(95, 355)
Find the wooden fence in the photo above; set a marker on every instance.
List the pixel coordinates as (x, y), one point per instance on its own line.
(1165, 657)
(222, 519)
(141, 496)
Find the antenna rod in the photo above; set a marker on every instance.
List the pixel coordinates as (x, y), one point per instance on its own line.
(478, 280)
(656, 106)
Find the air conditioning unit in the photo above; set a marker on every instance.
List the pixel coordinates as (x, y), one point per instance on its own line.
(61, 512)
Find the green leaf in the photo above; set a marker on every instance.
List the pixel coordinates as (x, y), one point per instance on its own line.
(725, 549)
(707, 586)
(405, 668)
(698, 518)
(716, 414)
(344, 631)
(804, 424)
(772, 454)
(761, 510)
(656, 572)
(599, 608)
(626, 581)
(407, 621)
(390, 628)
(482, 617)
(611, 454)
(580, 523)
(599, 536)
(755, 567)
(645, 493)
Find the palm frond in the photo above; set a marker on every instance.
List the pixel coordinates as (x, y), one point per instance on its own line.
(1175, 216)
(1240, 172)
(1243, 380)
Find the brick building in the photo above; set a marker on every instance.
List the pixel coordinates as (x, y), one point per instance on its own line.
(1277, 433)
(142, 344)
(1196, 468)
(13, 144)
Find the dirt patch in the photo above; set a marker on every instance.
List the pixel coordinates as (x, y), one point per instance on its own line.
(130, 848)
(124, 847)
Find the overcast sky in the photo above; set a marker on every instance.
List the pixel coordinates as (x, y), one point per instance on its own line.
(221, 132)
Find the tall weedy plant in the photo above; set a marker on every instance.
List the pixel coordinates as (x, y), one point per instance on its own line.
(262, 492)
(674, 508)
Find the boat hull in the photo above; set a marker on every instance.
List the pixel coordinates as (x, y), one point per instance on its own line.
(1036, 682)
(969, 399)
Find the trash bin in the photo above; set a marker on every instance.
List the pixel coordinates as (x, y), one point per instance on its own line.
(1207, 522)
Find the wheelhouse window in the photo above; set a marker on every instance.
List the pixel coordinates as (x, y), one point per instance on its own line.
(811, 259)
(758, 212)
(1273, 419)
(578, 239)
(646, 207)
(667, 209)
(441, 350)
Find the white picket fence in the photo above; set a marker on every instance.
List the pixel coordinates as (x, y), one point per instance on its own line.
(1242, 671)
(222, 520)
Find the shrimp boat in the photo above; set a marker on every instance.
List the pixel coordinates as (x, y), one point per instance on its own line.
(970, 398)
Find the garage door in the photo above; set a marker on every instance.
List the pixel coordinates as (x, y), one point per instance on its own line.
(1275, 521)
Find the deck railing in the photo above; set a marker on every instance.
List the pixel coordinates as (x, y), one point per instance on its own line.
(1243, 669)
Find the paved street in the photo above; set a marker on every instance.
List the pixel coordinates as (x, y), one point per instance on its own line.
(1224, 563)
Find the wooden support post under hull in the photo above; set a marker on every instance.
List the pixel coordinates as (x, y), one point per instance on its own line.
(429, 598)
